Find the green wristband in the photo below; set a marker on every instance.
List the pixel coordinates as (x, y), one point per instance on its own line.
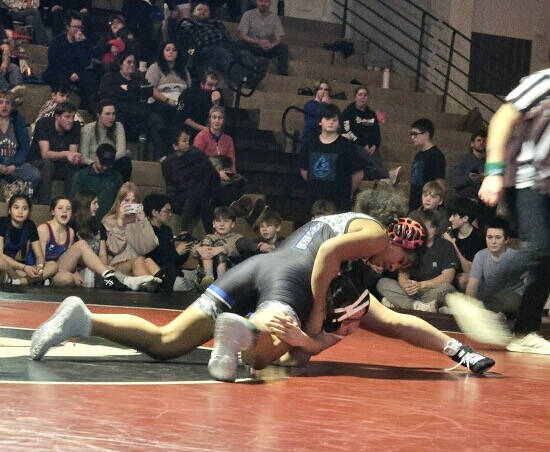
(494, 168)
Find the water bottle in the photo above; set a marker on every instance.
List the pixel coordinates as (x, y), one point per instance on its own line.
(142, 146)
(386, 78)
(281, 8)
(89, 278)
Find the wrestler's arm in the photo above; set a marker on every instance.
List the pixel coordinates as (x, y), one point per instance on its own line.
(364, 239)
(500, 129)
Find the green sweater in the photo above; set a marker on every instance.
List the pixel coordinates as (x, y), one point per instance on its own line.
(106, 185)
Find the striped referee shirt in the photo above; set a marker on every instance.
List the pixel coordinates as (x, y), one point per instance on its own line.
(530, 91)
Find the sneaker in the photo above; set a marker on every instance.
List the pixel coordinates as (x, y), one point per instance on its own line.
(425, 307)
(387, 303)
(232, 334)
(141, 282)
(18, 93)
(71, 318)
(445, 310)
(393, 175)
(531, 343)
(205, 282)
(472, 360)
(111, 282)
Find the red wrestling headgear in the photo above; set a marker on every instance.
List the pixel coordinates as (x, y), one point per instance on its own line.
(407, 233)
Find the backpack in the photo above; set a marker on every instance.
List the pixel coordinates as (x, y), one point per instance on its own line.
(531, 128)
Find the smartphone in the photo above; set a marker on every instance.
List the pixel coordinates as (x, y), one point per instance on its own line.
(134, 208)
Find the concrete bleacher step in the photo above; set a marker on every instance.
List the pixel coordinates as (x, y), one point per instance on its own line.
(262, 140)
(320, 55)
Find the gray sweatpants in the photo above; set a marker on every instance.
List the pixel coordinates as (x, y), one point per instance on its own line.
(391, 289)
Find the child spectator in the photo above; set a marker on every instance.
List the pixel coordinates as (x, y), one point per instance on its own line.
(217, 250)
(60, 94)
(18, 237)
(428, 163)
(270, 226)
(466, 239)
(168, 255)
(423, 287)
(130, 237)
(432, 200)
(322, 207)
(191, 180)
(496, 272)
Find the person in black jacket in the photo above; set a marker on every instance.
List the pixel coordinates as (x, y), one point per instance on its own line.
(192, 181)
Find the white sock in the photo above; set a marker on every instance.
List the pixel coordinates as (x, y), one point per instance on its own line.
(452, 347)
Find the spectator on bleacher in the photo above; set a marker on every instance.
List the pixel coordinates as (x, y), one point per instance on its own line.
(169, 255)
(467, 174)
(10, 74)
(191, 180)
(60, 94)
(130, 236)
(69, 58)
(465, 238)
(496, 276)
(20, 245)
(54, 149)
(209, 42)
(330, 164)
(322, 207)
(217, 250)
(269, 228)
(106, 130)
(130, 91)
(54, 11)
(140, 17)
(169, 77)
(195, 103)
(261, 32)
(311, 110)
(432, 200)
(118, 38)
(101, 178)
(423, 288)
(14, 145)
(361, 127)
(428, 164)
(26, 11)
(60, 244)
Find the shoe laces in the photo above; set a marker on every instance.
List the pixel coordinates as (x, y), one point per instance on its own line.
(469, 358)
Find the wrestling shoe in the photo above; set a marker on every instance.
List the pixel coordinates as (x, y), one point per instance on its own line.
(110, 281)
(472, 360)
(531, 343)
(71, 318)
(232, 334)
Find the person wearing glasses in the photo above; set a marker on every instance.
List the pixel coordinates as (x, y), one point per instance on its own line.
(428, 164)
(69, 55)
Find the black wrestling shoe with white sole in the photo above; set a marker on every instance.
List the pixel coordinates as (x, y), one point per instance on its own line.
(111, 282)
(472, 360)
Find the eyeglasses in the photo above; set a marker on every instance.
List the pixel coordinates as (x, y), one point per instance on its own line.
(414, 134)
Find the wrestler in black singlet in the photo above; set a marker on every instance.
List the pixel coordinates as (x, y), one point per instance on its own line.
(283, 275)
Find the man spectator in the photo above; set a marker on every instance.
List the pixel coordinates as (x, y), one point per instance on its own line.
(423, 287)
(53, 11)
(467, 174)
(330, 164)
(26, 11)
(14, 145)
(194, 104)
(10, 74)
(261, 32)
(428, 163)
(69, 56)
(54, 149)
(101, 178)
(209, 43)
(496, 273)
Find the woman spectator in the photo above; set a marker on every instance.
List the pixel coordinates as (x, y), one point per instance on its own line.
(106, 130)
(20, 245)
(130, 236)
(311, 108)
(169, 78)
(116, 40)
(129, 91)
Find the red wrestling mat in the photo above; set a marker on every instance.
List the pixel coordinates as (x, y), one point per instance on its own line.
(367, 393)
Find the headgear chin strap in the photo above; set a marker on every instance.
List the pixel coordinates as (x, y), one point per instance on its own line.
(335, 320)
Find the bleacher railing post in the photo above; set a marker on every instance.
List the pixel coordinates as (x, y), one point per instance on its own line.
(420, 47)
(448, 74)
(344, 20)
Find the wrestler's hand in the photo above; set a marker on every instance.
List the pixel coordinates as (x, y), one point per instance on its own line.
(491, 190)
(286, 329)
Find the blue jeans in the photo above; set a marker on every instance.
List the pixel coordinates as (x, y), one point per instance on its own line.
(11, 78)
(532, 211)
(27, 173)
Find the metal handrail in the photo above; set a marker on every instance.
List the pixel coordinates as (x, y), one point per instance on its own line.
(283, 121)
(239, 89)
(422, 49)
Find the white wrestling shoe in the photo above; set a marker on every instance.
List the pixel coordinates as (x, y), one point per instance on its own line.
(477, 322)
(145, 282)
(232, 334)
(71, 318)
